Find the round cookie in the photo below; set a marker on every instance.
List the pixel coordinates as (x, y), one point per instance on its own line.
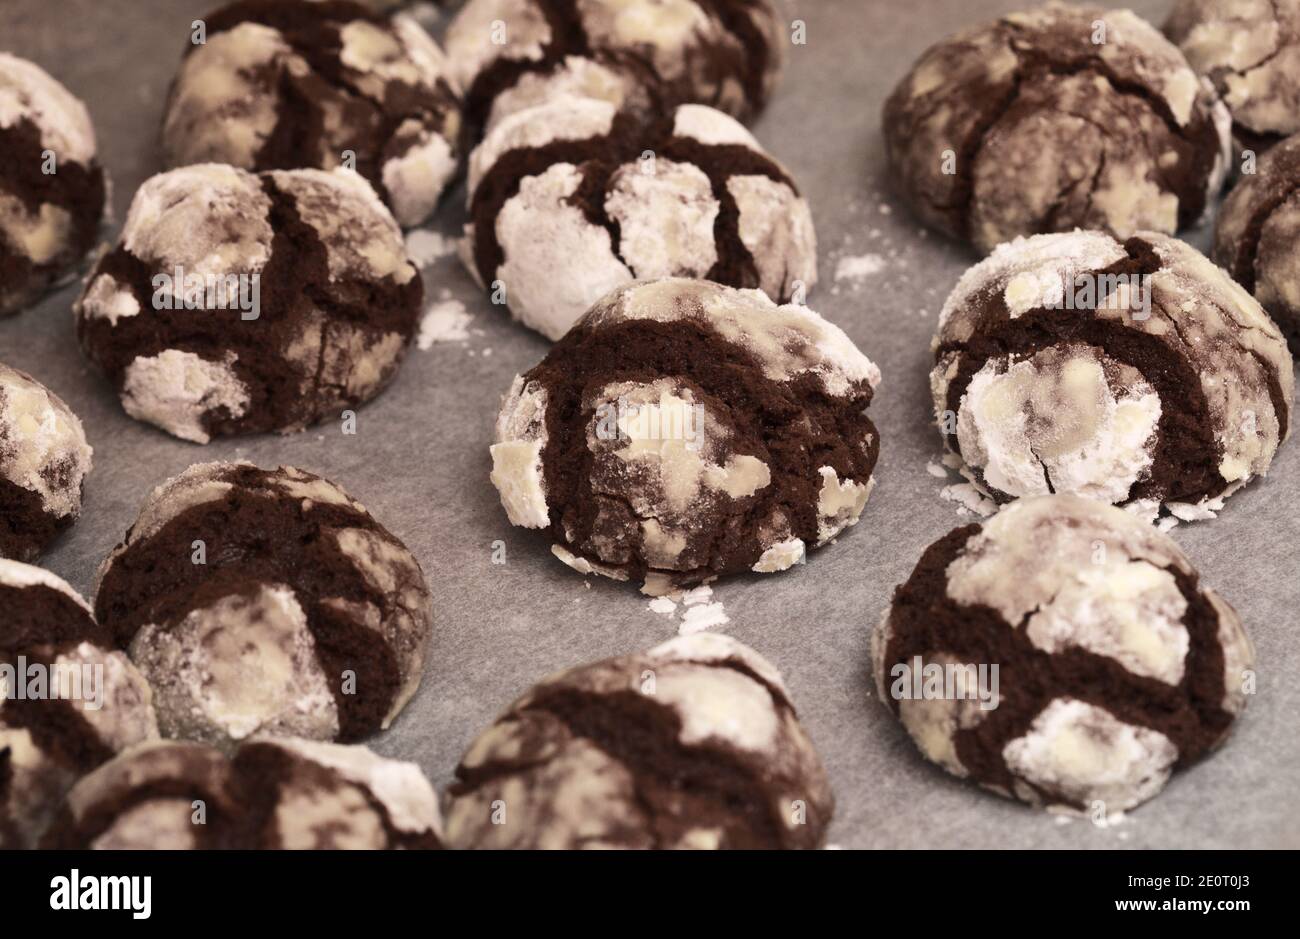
(266, 601)
(238, 303)
(1114, 665)
(1255, 238)
(287, 85)
(683, 431)
(1135, 373)
(648, 57)
(52, 188)
(68, 702)
(1250, 50)
(572, 199)
(273, 793)
(1028, 125)
(44, 461)
(693, 744)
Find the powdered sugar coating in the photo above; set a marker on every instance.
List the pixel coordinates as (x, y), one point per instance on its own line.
(510, 52)
(43, 451)
(1071, 416)
(204, 236)
(1086, 610)
(340, 81)
(698, 698)
(668, 465)
(620, 201)
(27, 92)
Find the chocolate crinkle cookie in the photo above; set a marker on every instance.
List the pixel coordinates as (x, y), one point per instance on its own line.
(1064, 117)
(1063, 653)
(266, 601)
(574, 198)
(1136, 373)
(44, 461)
(68, 701)
(238, 303)
(648, 57)
(683, 431)
(1257, 238)
(1250, 50)
(693, 744)
(52, 188)
(273, 793)
(286, 84)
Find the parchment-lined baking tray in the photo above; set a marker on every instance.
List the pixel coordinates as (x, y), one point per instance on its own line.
(419, 461)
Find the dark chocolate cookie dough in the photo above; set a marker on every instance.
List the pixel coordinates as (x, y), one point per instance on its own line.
(238, 303)
(1250, 50)
(683, 430)
(69, 701)
(266, 601)
(44, 460)
(286, 84)
(1114, 665)
(1257, 238)
(272, 793)
(1060, 118)
(52, 188)
(1136, 373)
(647, 57)
(693, 744)
(573, 198)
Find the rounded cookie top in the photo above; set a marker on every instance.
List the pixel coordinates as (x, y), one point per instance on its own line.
(238, 303)
(683, 430)
(273, 793)
(1256, 235)
(1250, 50)
(573, 198)
(67, 703)
(1136, 373)
(278, 85)
(266, 601)
(52, 187)
(693, 744)
(1062, 117)
(508, 54)
(1063, 653)
(44, 460)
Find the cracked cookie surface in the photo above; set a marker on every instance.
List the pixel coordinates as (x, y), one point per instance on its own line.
(44, 461)
(238, 303)
(287, 85)
(52, 188)
(574, 198)
(1030, 124)
(1257, 236)
(266, 602)
(1135, 373)
(49, 738)
(279, 793)
(693, 744)
(645, 57)
(1250, 50)
(683, 431)
(1115, 666)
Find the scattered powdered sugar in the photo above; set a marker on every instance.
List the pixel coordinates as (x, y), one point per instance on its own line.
(664, 606)
(856, 268)
(969, 500)
(424, 247)
(445, 320)
(701, 617)
(698, 612)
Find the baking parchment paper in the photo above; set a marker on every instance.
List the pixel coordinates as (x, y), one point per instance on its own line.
(419, 461)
